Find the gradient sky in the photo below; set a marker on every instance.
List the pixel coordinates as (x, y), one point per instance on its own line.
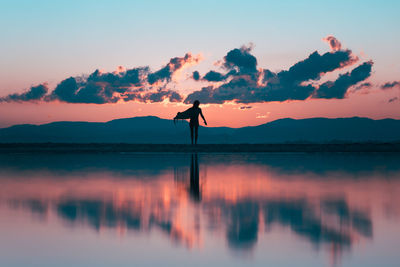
(49, 41)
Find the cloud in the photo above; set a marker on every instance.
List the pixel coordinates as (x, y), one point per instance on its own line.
(262, 116)
(237, 62)
(316, 65)
(247, 84)
(100, 88)
(34, 93)
(238, 80)
(338, 88)
(153, 97)
(245, 107)
(73, 90)
(390, 85)
(365, 85)
(175, 64)
(241, 60)
(213, 76)
(161, 95)
(196, 75)
(111, 87)
(205, 95)
(238, 90)
(334, 43)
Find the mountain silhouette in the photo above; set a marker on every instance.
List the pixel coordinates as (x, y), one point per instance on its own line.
(147, 130)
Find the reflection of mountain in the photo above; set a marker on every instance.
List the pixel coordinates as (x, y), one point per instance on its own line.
(187, 197)
(147, 130)
(128, 165)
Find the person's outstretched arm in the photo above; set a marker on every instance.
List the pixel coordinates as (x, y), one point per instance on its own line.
(202, 116)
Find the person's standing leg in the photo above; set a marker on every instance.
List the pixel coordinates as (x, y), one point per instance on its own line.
(196, 133)
(191, 132)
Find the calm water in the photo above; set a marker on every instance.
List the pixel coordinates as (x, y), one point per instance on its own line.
(196, 210)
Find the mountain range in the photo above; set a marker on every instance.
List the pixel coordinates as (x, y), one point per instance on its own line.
(154, 130)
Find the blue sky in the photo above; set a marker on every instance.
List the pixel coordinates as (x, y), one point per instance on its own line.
(44, 40)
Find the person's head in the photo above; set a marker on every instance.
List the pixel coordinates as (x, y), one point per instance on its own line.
(196, 103)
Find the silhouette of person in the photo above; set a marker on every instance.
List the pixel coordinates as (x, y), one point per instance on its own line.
(195, 111)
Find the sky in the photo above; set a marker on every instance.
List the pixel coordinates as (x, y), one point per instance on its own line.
(248, 62)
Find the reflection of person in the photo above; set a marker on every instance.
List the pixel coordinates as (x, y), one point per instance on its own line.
(194, 188)
(194, 120)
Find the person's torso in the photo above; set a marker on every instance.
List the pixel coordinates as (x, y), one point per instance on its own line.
(195, 114)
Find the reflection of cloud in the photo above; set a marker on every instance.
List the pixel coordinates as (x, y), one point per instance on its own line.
(301, 216)
(290, 191)
(36, 206)
(242, 229)
(240, 219)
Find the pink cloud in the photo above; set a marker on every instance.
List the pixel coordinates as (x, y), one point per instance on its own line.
(334, 43)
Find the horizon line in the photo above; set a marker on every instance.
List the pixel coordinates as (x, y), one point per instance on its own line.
(147, 116)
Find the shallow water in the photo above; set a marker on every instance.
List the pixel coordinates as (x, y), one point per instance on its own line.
(205, 209)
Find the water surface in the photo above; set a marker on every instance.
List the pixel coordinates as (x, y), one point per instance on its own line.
(199, 209)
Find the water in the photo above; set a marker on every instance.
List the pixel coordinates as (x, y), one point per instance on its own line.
(197, 210)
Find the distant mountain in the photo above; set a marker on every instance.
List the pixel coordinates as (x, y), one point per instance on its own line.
(155, 130)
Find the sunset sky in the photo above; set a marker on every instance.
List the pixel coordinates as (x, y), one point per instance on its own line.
(248, 62)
